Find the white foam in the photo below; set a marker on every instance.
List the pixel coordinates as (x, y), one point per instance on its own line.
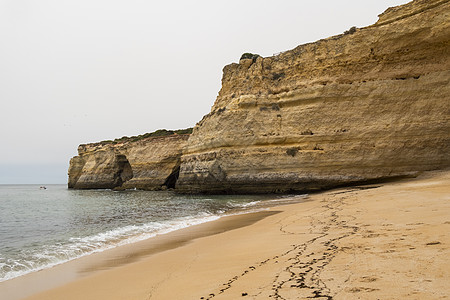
(285, 199)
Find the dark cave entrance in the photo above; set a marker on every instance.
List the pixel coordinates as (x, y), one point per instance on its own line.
(124, 171)
(171, 180)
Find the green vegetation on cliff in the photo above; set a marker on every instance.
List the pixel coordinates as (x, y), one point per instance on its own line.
(250, 56)
(157, 133)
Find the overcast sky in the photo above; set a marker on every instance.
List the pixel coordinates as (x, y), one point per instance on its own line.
(79, 71)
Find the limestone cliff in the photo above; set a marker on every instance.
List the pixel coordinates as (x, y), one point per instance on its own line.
(151, 163)
(369, 104)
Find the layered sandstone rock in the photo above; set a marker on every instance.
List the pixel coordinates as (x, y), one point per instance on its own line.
(151, 164)
(369, 104)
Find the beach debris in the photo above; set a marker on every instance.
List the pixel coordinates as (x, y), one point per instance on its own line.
(433, 243)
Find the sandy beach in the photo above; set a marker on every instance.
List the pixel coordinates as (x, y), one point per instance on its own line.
(383, 241)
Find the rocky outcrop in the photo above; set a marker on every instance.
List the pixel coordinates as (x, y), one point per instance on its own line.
(370, 104)
(151, 163)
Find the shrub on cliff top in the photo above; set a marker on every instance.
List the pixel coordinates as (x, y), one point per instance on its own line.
(350, 31)
(184, 131)
(157, 133)
(249, 56)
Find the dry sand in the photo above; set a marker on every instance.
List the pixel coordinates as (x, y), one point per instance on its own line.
(388, 241)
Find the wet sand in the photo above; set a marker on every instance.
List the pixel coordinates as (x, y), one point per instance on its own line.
(387, 241)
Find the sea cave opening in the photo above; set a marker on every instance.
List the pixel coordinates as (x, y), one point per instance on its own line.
(125, 172)
(171, 180)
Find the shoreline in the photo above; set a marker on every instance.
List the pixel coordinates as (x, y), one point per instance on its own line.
(378, 241)
(77, 268)
(124, 233)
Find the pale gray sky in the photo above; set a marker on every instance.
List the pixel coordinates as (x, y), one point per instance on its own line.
(79, 71)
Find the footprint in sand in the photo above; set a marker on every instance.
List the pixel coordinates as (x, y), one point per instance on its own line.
(368, 279)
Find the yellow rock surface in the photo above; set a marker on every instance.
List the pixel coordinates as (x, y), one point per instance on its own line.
(151, 164)
(370, 104)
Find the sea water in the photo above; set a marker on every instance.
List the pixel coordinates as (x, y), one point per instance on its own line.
(40, 228)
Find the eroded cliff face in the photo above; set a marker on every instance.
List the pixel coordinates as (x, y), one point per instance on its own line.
(366, 105)
(150, 164)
